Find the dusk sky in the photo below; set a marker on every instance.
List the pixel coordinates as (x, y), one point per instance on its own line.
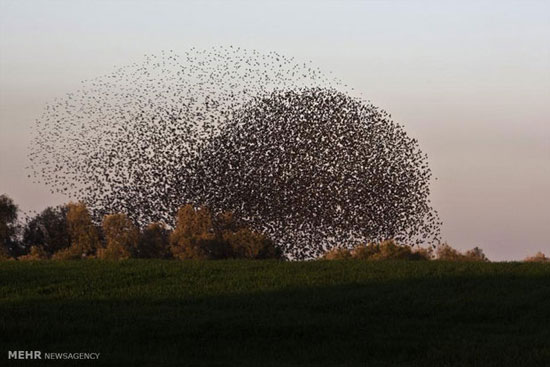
(469, 79)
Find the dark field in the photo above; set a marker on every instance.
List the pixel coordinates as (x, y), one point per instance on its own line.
(263, 313)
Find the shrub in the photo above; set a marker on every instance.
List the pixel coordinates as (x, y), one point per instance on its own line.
(4, 255)
(121, 236)
(447, 253)
(423, 253)
(389, 250)
(35, 253)
(365, 252)
(69, 253)
(385, 250)
(337, 253)
(539, 257)
(475, 254)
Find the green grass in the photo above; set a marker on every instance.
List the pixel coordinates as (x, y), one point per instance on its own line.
(264, 313)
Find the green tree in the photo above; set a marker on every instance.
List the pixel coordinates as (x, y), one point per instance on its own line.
(8, 227)
(48, 230)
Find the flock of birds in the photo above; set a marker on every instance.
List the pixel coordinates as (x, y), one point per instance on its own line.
(277, 141)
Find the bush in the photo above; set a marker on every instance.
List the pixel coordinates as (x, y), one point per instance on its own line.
(365, 252)
(337, 253)
(35, 253)
(69, 253)
(475, 254)
(538, 258)
(385, 250)
(447, 253)
(4, 255)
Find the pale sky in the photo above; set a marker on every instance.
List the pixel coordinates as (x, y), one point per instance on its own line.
(469, 79)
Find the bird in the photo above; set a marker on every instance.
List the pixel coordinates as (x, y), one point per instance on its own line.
(278, 141)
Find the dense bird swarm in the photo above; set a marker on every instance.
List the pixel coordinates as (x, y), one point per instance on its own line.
(276, 141)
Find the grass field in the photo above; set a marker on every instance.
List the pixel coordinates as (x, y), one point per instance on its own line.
(263, 313)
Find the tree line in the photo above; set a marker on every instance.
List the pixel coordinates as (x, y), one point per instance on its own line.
(68, 232)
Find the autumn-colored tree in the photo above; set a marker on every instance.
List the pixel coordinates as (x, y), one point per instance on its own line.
(447, 253)
(337, 253)
(475, 254)
(201, 235)
(83, 233)
(365, 252)
(385, 250)
(154, 242)
(539, 257)
(193, 237)
(121, 235)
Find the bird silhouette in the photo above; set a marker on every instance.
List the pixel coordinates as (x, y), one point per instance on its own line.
(278, 141)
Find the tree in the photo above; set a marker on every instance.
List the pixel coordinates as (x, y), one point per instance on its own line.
(48, 230)
(83, 233)
(476, 254)
(337, 253)
(539, 257)
(154, 242)
(248, 244)
(194, 237)
(385, 250)
(8, 227)
(121, 235)
(447, 253)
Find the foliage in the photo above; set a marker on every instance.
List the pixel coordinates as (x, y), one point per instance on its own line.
(49, 230)
(248, 244)
(447, 253)
(539, 257)
(83, 233)
(8, 226)
(69, 253)
(35, 253)
(122, 238)
(385, 250)
(193, 237)
(201, 235)
(337, 253)
(154, 242)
